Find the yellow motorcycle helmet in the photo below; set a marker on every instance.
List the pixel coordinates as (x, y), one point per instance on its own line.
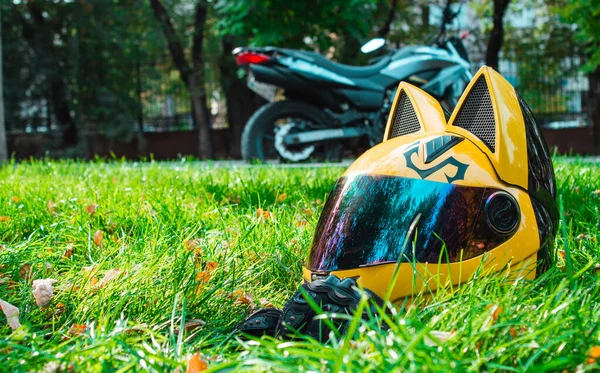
(439, 199)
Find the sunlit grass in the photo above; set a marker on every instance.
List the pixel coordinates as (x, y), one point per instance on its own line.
(165, 226)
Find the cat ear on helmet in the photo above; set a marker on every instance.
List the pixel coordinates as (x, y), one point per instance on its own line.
(413, 110)
(489, 114)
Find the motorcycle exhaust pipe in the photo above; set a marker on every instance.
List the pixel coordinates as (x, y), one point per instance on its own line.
(324, 135)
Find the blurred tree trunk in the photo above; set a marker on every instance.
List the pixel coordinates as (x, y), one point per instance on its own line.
(385, 28)
(3, 143)
(62, 111)
(192, 76)
(241, 101)
(425, 11)
(497, 34)
(142, 143)
(594, 107)
(350, 50)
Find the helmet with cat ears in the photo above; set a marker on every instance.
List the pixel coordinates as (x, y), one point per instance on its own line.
(489, 150)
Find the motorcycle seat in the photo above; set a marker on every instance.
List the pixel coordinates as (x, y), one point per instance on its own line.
(339, 68)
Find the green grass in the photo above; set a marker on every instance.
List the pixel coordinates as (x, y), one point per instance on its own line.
(163, 223)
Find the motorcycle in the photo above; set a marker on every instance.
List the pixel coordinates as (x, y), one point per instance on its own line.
(328, 105)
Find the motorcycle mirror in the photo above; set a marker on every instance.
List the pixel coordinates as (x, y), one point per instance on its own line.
(372, 45)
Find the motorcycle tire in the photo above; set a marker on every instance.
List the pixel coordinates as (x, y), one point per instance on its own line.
(262, 123)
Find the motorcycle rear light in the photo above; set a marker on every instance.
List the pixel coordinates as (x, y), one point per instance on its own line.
(245, 58)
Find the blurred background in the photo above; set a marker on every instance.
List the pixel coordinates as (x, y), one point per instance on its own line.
(126, 77)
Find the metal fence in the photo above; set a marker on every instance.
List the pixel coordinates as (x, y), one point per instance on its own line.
(160, 103)
(558, 98)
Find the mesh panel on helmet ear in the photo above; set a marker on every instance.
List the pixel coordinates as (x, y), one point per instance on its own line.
(405, 118)
(476, 114)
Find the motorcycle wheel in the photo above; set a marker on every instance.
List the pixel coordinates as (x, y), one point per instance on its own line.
(259, 135)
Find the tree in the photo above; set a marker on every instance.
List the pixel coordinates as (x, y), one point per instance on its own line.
(546, 56)
(3, 143)
(497, 35)
(192, 74)
(71, 68)
(41, 26)
(586, 15)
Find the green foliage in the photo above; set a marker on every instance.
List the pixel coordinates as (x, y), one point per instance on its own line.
(323, 23)
(586, 15)
(411, 22)
(163, 223)
(546, 55)
(94, 49)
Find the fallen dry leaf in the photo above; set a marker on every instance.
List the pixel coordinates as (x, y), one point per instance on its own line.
(48, 267)
(98, 238)
(192, 245)
(596, 192)
(60, 309)
(12, 314)
(68, 252)
(140, 328)
(266, 303)
(233, 199)
(202, 278)
(43, 291)
(15, 199)
(91, 209)
(4, 218)
(88, 270)
(196, 364)
(89, 273)
(76, 329)
(191, 325)
(308, 212)
(593, 355)
(241, 297)
(52, 207)
(263, 214)
(439, 335)
(515, 332)
(25, 271)
(108, 277)
(301, 223)
(496, 311)
(210, 266)
(281, 197)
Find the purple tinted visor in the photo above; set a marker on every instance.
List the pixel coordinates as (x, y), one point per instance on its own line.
(369, 219)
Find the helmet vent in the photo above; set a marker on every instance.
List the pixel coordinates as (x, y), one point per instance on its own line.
(405, 120)
(476, 114)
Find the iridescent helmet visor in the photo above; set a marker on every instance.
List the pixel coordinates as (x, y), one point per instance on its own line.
(369, 219)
